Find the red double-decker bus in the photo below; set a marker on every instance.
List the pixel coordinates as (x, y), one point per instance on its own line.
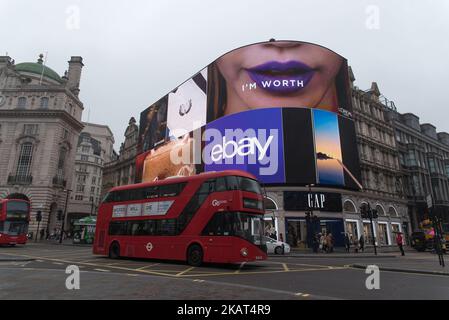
(211, 217)
(14, 219)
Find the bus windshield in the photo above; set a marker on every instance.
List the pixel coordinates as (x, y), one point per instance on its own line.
(13, 228)
(16, 210)
(239, 224)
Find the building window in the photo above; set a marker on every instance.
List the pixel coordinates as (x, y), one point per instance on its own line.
(30, 129)
(79, 197)
(25, 157)
(85, 149)
(62, 156)
(94, 180)
(22, 102)
(65, 134)
(44, 102)
(92, 189)
(83, 168)
(81, 178)
(80, 188)
(84, 158)
(380, 210)
(348, 206)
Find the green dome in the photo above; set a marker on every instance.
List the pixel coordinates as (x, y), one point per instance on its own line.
(36, 67)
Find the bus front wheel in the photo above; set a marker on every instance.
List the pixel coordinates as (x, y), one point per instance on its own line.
(114, 251)
(195, 255)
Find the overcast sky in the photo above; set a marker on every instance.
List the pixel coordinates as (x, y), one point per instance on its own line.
(136, 51)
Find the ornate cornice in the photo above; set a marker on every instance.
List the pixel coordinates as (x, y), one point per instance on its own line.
(57, 114)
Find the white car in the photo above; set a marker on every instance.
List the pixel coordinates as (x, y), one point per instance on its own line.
(276, 246)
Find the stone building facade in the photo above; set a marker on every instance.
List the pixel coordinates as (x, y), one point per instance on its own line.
(40, 121)
(122, 169)
(424, 161)
(94, 149)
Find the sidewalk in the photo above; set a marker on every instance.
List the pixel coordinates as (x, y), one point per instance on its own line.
(411, 263)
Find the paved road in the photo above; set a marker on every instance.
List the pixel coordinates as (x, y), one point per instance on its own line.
(43, 277)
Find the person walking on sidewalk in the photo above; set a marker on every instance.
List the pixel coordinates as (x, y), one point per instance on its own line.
(400, 243)
(347, 243)
(362, 243)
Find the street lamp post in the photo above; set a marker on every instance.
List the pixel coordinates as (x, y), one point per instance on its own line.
(309, 225)
(64, 216)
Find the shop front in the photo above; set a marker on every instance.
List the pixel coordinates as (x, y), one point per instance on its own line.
(308, 214)
(299, 230)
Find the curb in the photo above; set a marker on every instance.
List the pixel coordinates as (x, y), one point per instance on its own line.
(331, 257)
(439, 273)
(16, 259)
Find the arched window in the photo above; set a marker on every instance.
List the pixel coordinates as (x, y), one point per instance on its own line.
(392, 212)
(380, 210)
(44, 102)
(270, 204)
(22, 102)
(25, 158)
(349, 206)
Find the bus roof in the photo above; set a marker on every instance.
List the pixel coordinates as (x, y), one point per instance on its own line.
(173, 180)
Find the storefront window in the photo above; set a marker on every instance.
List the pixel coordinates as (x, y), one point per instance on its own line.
(352, 230)
(383, 234)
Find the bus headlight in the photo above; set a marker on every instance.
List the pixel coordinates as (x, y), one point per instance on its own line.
(244, 252)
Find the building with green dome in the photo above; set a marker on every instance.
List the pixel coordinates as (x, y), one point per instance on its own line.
(40, 122)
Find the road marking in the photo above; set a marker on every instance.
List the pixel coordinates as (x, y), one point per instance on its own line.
(240, 268)
(102, 270)
(58, 263)
(185, 271)
(148, 266)
(198, 280)
(285, 267)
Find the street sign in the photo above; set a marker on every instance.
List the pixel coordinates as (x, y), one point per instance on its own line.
(429, 201)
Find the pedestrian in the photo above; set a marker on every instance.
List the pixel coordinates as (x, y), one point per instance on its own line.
(330, 243)
(347, 242)
(315, 243)
(47, 234)
(362, 243)
(356, 245)
(323, 242)
(42, 234)
(400, 243)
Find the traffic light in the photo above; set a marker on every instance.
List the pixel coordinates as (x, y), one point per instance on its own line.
(59, 215)
(364, 211)
(39, 216)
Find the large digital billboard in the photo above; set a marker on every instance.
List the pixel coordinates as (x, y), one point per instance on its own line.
(280, 110)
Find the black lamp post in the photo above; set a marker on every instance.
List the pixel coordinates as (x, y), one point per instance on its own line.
(64, 215)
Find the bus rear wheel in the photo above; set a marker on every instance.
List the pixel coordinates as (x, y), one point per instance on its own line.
(114, 251)
(195, 255)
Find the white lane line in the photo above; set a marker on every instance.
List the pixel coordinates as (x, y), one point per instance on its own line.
(102, 270)
(58, 263)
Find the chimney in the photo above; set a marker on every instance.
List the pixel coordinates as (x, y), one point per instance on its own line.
(5, 61)
(74, 74)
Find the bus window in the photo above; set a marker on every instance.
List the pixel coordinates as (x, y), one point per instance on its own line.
(249, 185)
(117, 228)
(150, 193)
(171, 190)
(232, 183)
(220, 184)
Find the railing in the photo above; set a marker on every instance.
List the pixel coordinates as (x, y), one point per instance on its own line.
(20, 179)
(59, 181)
